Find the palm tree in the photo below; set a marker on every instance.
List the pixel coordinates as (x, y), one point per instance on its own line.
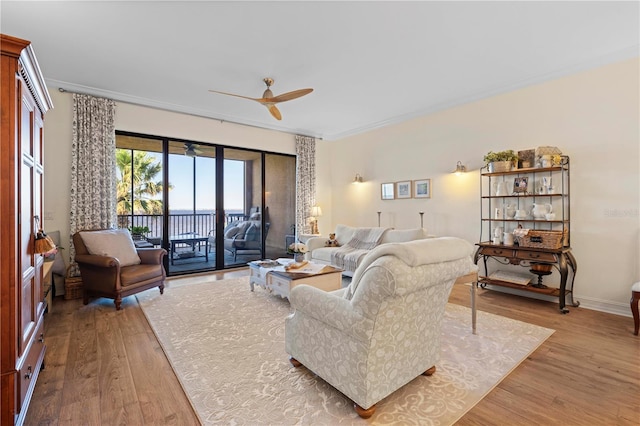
(145, 188)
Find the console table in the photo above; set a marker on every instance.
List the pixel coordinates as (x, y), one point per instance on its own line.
(562, 259)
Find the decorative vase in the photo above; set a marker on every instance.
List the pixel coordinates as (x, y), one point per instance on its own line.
(298, 257)
(500, 166)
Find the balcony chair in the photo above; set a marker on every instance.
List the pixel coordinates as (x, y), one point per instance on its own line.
(383, 330)
(112, 267)
(244, 237)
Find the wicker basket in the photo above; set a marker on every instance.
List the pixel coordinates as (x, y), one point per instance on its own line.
(543, 239)
(72, 286)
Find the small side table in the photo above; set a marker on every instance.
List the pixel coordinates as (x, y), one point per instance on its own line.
(288, 240)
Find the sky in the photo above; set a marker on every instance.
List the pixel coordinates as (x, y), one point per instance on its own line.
(181, 178)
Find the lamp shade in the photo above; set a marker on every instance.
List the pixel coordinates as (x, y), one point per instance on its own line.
(316, 211)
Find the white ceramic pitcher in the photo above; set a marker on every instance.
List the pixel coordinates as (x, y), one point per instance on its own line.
(540, 210)
(501, 189)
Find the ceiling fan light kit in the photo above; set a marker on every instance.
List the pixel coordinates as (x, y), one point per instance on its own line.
(270, 101)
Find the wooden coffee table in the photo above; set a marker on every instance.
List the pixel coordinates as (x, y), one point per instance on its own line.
(280, 282)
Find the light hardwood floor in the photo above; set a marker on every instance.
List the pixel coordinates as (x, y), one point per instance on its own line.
(105, 367)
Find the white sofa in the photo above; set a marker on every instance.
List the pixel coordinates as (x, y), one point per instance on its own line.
(319, 253)
(383, 330)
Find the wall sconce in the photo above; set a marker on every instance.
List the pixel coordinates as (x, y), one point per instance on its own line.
(316, 212)
(460, 168)
(358, 178)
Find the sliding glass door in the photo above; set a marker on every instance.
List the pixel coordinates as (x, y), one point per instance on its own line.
(140, 186)
(242, 236)
(209, 206)
(191, 195)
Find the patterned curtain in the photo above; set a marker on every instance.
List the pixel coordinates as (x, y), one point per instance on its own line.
(93, 167)
(306, 182)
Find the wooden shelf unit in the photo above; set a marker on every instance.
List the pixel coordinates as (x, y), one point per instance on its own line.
(560, 258)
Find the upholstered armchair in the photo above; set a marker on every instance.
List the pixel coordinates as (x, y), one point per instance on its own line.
(111, 266)
(383, 330)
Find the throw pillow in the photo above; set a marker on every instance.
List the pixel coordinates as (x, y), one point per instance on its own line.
(403, 235)
(243, 226)
(231, 232)
(252, 233)
(112, 242)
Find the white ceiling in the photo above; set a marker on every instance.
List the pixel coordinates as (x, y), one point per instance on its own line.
(370, 63)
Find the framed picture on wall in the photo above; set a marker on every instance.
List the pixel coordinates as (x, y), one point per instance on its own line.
(422, 188)
(403, 189)
(387, 191)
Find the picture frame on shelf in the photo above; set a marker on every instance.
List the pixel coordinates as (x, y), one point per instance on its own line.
(403, 189)
(526, 159)
(520, 185)
(387, 191)
(422, 188)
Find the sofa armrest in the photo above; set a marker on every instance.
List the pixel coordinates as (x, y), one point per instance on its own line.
(151, 256)
(96, 260)
(332, 309)
(316, 242)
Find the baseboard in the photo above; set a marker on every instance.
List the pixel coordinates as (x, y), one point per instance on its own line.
(607, 306)
(591, 303)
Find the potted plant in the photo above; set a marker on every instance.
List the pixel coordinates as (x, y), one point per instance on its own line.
(501, 161)
(138, 232)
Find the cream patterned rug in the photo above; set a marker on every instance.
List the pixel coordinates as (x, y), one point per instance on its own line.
(226, 345)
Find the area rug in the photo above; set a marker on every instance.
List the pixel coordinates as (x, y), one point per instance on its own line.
(226, 345)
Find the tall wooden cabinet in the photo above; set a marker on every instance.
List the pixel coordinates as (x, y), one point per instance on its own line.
(24, 102)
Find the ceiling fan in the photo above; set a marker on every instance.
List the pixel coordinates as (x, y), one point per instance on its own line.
(270, 101)
(191, 150)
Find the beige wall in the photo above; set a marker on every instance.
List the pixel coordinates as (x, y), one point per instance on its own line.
(591, 116)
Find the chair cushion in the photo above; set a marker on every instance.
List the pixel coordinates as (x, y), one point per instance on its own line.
(136, 274)
(231, 232)
(112, 242)
(252, 233)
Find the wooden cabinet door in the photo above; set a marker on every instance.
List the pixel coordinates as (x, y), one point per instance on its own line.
(30, 205)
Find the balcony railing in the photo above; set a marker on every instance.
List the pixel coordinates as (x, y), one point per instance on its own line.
(198, 223)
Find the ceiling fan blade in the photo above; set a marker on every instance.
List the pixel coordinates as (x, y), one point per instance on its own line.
(274, 111)
(237, 96)
(290, 95)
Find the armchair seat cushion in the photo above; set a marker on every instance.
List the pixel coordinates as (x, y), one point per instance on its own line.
(136, 274)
